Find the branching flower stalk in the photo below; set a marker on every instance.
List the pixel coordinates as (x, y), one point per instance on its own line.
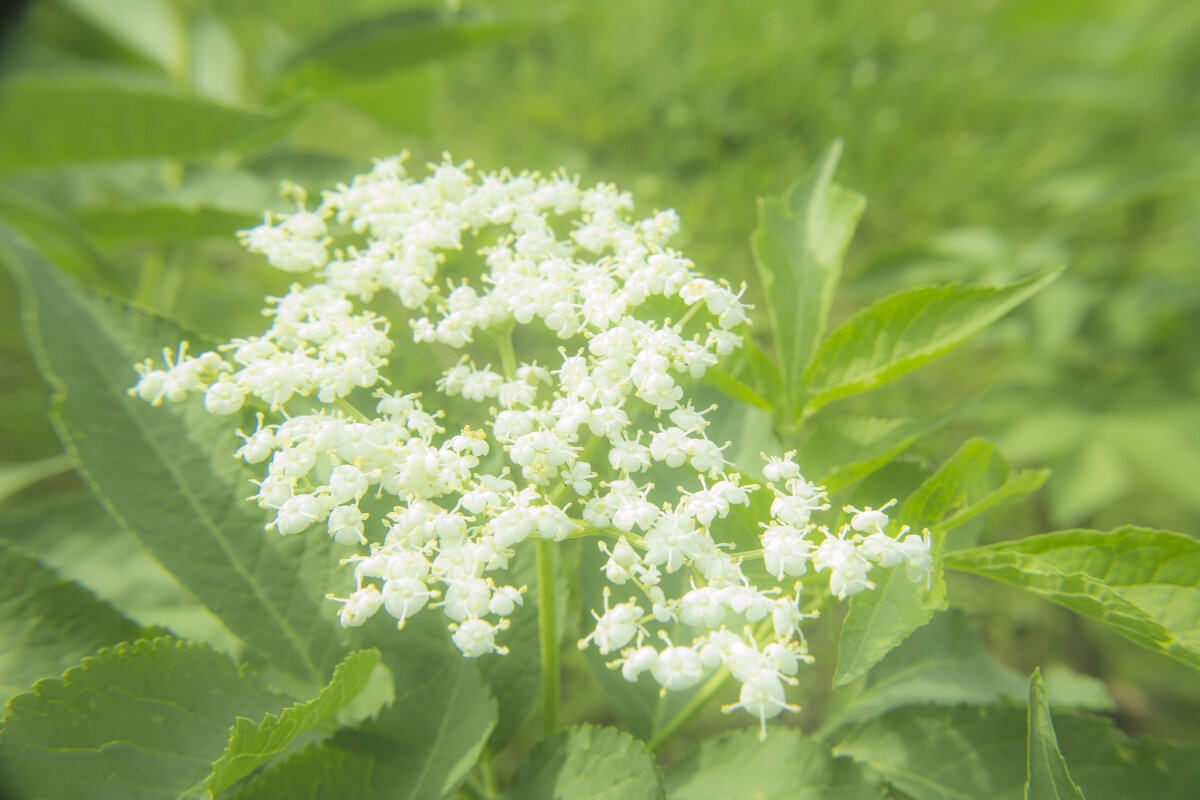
(579, 437)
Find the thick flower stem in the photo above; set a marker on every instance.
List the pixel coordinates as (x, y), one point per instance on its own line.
(548, 633)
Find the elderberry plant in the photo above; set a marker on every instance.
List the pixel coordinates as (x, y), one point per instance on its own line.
(578, 435)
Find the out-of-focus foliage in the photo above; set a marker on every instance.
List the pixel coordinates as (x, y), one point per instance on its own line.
(994, 139)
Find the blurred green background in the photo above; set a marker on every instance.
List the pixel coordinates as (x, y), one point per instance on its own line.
(991, 138)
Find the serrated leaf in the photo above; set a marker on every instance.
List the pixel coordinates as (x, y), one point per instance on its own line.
(799, 246)
(156, 469)
(881, 618)
(901, 332)
(934, 753)
(48, 624)
(123, 121)
(252, 744)
(786, 766)
(588, 763)
(369, 48)
(1046, 773)
(973, 480)
(1144, 583)
(942, 662)
(419, 748)
(142, 720)
(845, 450)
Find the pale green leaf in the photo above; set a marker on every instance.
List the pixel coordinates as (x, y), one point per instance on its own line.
(901, 332)
(150, 28)
(1144, 583)
(123, 121)
(588, 763)
(799, 246)
(1046, 773)
(403, 101)
(166, 474)
(735, 389)
(844, 450)
(372, 47)
(139, 721)
(786, 766)
(252, 744)
(48, 624)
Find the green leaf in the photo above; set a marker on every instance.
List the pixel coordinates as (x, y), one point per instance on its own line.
(403, 101)
(1144, 583)
(165, 474)
(123, 121)
(882, 618)
(48, 624)
(942, 662)
(588, 763)
(165, 223)
(975, 479)
(395, 41)
(1046, 773)
(786, 766)
(735, 389)
(16, 478)
(252, 744)
(142, 720)
(845, 450)
(901, 332)
(799, 246)
(967, 752)
(422, 746)
(150, 28)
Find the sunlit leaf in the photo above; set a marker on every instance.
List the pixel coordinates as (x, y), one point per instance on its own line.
(799, 246)
(900, 333)
(252, 744)
(1144, 583)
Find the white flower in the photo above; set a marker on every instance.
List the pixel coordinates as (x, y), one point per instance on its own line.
(476, 637)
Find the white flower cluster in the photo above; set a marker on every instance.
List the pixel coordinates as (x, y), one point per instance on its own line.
(578, 437)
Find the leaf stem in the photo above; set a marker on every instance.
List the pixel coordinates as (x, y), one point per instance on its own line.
(689, 711)
(548, 633)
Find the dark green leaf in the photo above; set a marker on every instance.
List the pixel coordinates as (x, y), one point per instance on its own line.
(1144, 583)
(166, 474)
(900, 333)
(786, 766)
(1046, 773)
(142, 720)
(588, 763)
(799, 246)
(253, 744)
(122, 121)
(48, 624)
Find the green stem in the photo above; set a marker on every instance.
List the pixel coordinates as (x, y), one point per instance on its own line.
(508, 357)
(548, 634)
(689, 711)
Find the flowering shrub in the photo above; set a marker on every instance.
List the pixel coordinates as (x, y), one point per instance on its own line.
(612, 401)
(481, 366)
